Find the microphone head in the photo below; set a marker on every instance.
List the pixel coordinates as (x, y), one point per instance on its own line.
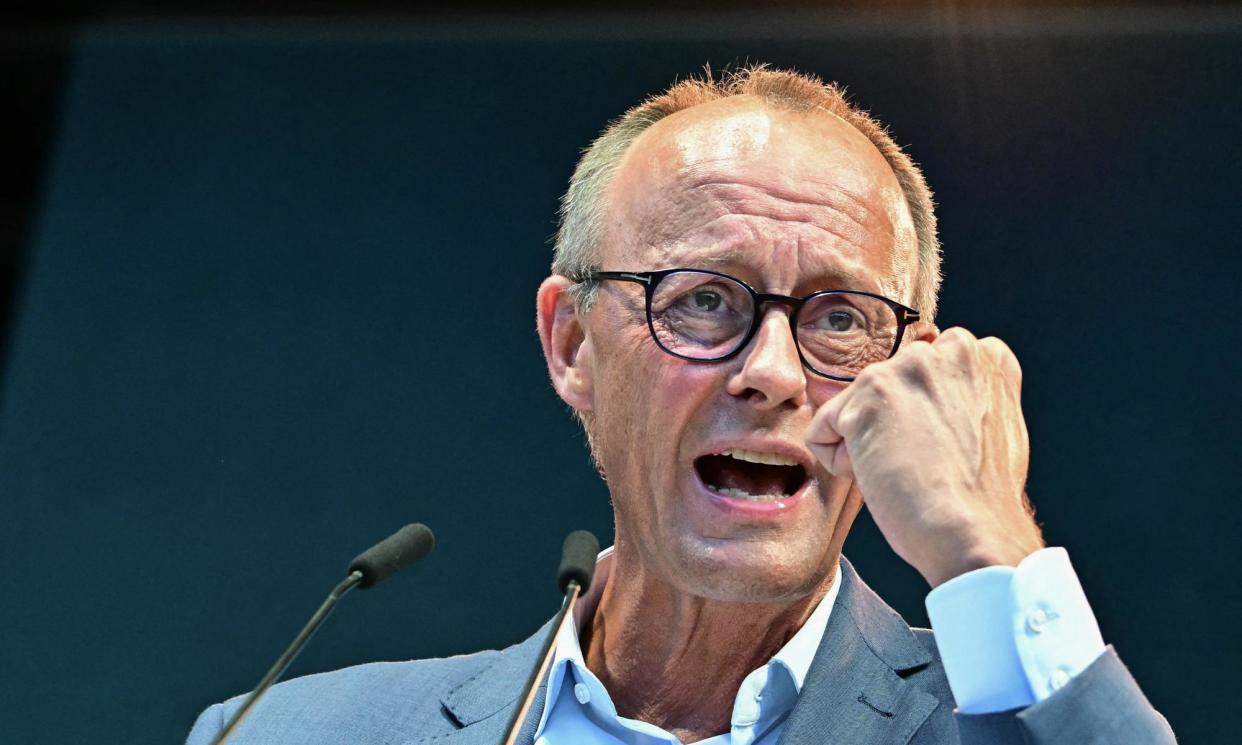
(577, 560)
(394, 553)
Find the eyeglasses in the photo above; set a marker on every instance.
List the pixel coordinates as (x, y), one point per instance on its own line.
(701, 315)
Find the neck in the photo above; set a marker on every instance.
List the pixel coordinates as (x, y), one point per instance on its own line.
(676, 660)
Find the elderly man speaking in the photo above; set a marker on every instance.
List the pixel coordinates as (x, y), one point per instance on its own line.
(741, 315)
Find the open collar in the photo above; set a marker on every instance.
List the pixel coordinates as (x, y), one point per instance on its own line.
(795, 656)
(778, 681)
(853, 691)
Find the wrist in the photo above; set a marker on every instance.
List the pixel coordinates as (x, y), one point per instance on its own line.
(973, 556)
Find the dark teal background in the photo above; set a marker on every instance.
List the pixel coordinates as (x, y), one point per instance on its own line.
(280, 301)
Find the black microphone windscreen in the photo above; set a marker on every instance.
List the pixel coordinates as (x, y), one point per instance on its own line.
(577, 560)
(393, 554)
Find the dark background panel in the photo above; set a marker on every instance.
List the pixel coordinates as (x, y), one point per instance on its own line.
(279, 300)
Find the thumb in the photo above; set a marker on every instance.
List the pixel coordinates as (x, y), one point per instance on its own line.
(826, 442)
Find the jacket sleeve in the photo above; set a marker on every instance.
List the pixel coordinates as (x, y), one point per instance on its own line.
(1101, 706)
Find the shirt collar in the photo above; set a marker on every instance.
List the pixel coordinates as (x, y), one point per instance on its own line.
(799, 651)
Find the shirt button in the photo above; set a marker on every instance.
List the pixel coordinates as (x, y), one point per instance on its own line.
(582, 694)
(1037, 621)
(1058, 679)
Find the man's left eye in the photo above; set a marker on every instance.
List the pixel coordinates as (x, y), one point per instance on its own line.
(840, 320)
(706, 300)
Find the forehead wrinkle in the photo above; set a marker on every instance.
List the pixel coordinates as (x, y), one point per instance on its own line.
(830, 206)
(717, 214)
(710, 227)
(736, 254)
(822, 194)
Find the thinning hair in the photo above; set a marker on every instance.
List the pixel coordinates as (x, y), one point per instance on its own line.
(582, 218)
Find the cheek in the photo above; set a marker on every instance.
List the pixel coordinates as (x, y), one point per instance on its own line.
(650, 407)
(655, 395)
(681, 397)
(820, 390)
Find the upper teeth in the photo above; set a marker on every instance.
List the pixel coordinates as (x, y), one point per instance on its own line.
(752, 456)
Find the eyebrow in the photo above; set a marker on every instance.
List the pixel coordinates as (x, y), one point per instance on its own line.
(736, 258)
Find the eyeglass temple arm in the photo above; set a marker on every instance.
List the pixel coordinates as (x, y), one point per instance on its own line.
(624, 276)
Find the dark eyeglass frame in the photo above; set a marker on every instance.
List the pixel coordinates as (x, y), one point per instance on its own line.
(905, 315)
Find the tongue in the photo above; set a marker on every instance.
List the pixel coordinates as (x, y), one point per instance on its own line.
(721, 471)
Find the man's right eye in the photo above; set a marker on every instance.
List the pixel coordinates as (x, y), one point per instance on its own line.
(705, 300)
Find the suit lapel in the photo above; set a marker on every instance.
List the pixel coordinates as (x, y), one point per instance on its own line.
(853, 693)
(484, 703)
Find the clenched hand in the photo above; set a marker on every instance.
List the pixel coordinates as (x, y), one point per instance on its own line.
(935, 440)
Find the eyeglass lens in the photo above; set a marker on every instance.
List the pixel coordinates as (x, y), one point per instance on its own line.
(705, 316)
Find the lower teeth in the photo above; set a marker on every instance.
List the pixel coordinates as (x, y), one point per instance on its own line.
(729, 491)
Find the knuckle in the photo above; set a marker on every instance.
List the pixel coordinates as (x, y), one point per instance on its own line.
(994, 348)
(961, 347)
(870, 380)
(918, 347)
(957, 335)
(1002, 355)
(848, 421)
(919, 354)
(1015, 368)
(918, 364)
(873, 389)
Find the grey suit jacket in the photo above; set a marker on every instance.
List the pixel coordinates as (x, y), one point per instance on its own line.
(873, 680)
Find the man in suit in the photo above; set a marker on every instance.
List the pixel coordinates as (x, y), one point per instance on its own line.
(741, 315)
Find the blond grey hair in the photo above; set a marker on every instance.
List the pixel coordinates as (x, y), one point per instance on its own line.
(580, 232)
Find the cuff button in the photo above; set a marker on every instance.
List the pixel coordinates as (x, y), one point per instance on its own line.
(1037, 621)
(1058, 678)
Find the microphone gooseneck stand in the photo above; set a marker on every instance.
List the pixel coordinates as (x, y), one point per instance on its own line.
(574, 578)
(532, 685)
(372, 566)
(286, 659)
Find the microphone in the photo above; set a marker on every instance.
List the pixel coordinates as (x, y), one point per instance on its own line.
(573, 578)
(371, 567)
(391, 555)
(577, 561)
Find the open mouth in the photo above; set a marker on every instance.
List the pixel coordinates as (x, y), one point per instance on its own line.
(750, 475)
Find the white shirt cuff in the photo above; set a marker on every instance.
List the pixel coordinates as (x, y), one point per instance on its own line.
(1012, 636)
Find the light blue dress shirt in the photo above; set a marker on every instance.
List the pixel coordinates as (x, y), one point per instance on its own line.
(1008, 637)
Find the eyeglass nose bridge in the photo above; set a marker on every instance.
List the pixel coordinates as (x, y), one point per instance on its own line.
(795, 305)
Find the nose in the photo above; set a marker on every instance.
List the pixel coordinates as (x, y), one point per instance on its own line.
(771, 373)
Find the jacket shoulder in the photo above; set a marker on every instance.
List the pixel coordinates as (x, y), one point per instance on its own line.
(372, 702)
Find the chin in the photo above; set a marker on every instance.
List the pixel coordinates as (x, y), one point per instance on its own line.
(740, 571)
